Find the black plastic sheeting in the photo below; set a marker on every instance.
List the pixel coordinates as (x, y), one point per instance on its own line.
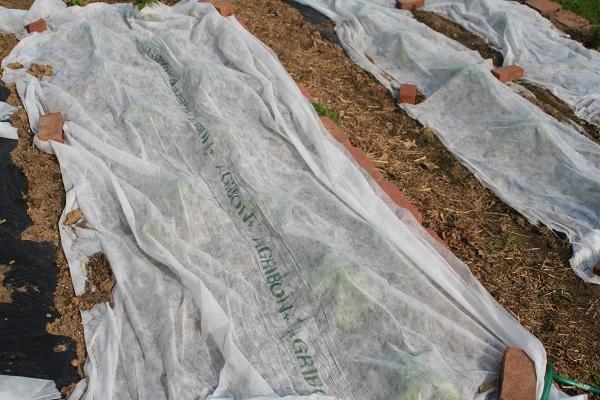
(317, 21)
(26, 349)
(4, 92)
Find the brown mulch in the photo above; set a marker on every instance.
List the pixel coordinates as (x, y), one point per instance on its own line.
(99, 283)
(524, 267)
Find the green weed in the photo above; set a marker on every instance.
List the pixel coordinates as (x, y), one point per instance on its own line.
(322, 109)
(511, 240)
(595, 378)
(140, 4)
(593, 37)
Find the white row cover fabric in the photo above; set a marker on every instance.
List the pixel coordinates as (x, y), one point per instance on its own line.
(545, 169)
(22, 388)
(526, 38)
(253, 259)
(7, 131)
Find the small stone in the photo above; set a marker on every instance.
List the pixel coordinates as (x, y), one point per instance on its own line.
(408, 144)
(48, 315)
(596, 269)
(75, 363)
(60, 348)
(11, 262)
(14, 65)
(428, 165)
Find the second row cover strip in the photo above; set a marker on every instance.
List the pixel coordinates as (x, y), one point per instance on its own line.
(541, 167)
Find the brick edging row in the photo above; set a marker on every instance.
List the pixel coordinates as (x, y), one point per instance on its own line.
(560, 17)
(395, 194)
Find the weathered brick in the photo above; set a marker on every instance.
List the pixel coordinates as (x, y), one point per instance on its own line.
(569, 20)
(335, 131)
(544, 7)
(37, 26)
(407, 94)
(361, 159)
(398, 197)
(223, 7)
(517, 378)
(508, 73)
(436, 236)
(50, 127)
(306, 93)
(409, 4)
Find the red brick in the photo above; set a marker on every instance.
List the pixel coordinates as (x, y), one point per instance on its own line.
(436, 236)
(224, 8)
(544, 7)
(366, 164)
(409, 4)
(596, 269)
(517, 377)
(335, 131)
(398, 197)
(50, 127)
(361, 159)
(569, 20)
(508, 73)
(408, 94)
(306, 93)
(37, 26)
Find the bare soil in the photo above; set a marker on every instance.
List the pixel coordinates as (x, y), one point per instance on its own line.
(523, 266)
(45, 200)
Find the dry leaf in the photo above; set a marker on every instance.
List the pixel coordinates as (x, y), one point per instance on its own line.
(73, 216)
(15, 65)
